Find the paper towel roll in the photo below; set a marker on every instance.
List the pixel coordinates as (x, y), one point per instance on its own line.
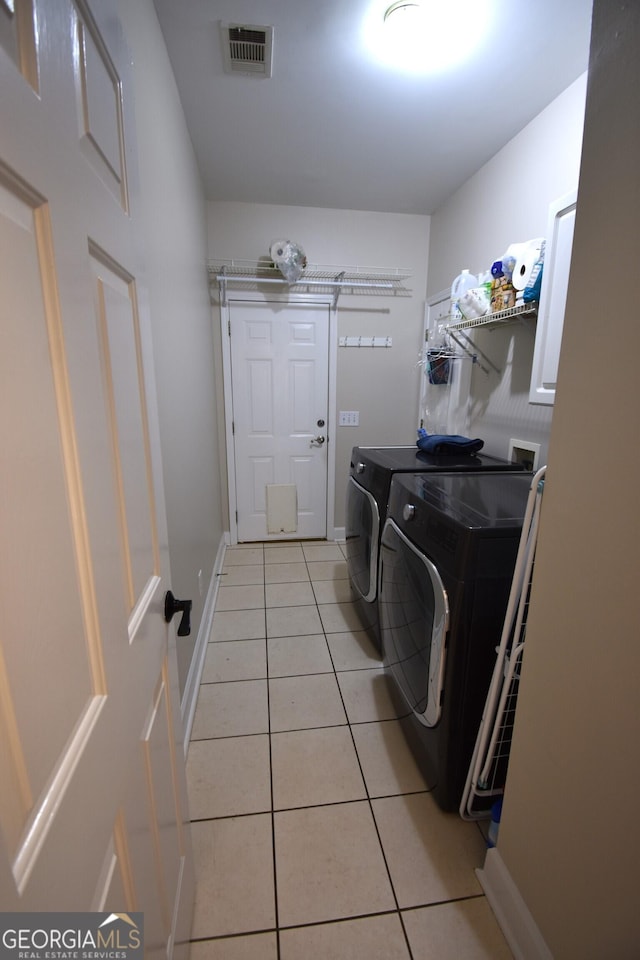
(280, 249)
(527, 255)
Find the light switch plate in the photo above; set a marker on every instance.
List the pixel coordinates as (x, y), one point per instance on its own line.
(349, 418)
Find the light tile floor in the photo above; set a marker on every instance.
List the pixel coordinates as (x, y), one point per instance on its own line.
(314, 835)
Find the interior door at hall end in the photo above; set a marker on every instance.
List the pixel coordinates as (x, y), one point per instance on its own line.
(280, 371)
(93, 801)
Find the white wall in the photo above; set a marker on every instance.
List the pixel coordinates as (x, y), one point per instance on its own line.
(382, 383)
(507, 201)
(570, 832)
(173, 224)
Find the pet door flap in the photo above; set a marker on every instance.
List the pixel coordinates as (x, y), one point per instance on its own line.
(282, 508)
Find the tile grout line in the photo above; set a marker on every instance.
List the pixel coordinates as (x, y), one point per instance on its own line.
(370, 802)
(308, 806)
(332, 920)
(271, 796)
(397, 911)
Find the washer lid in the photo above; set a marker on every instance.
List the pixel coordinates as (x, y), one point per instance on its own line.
(410, 459)
(482, 500)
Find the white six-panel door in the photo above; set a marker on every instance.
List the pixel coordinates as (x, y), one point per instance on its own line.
(92, 800)
(279, 372)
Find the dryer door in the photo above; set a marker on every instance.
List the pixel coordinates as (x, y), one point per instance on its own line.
(362, 536)
(414, 620)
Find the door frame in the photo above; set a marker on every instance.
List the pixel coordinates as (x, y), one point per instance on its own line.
(290, 298)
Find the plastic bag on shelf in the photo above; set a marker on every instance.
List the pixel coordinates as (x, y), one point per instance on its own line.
(289, 258)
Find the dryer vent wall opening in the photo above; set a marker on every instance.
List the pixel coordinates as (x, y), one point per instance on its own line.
(247, 49)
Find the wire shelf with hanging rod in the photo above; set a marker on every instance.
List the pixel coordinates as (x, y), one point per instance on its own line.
(520, 311)
(335, 280)
(437, 360)
(457, 331)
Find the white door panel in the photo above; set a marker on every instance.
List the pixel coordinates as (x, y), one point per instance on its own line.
(93, 799)
(117, 321)
(18, 37)
(279, 370)
(302, 470)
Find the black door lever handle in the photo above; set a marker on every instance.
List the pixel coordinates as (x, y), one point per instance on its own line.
(173, 606)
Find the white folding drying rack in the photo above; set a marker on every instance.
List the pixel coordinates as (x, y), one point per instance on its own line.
(488, 769)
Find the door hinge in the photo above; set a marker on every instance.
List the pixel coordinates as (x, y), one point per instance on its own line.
(229, 327)
(236, 516)
(233, 428)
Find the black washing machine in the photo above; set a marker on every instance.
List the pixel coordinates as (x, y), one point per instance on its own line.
(368, 488)
(447, 556)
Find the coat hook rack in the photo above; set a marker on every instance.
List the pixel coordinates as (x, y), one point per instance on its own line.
(365, 341)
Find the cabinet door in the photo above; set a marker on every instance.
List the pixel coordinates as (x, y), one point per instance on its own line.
(553, 297)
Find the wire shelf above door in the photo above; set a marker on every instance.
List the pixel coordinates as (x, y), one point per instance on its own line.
(362, 281)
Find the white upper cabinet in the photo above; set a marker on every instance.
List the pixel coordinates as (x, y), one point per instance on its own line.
(553, 296)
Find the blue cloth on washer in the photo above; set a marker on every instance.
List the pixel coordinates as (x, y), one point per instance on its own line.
(447, 443)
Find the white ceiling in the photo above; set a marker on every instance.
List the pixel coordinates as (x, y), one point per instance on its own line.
(333, 129)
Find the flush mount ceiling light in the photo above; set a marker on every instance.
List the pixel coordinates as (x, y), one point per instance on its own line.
(406, 8)
(425, 36)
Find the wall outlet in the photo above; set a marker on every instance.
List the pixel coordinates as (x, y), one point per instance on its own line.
(349, 418)
(524, 452)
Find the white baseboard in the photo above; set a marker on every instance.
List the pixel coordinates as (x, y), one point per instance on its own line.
(190, 695)
(515, 920)
(339, 533)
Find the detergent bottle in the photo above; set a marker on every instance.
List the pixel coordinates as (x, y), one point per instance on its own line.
(463, 282)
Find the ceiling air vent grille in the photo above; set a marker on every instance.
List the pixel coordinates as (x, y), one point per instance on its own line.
(247, 49)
